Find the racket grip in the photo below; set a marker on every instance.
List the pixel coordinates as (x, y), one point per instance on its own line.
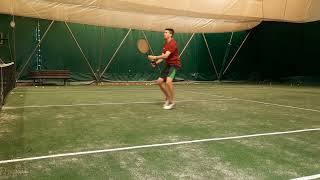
(154, 64)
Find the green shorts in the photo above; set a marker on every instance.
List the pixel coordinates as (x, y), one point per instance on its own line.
(169, 71)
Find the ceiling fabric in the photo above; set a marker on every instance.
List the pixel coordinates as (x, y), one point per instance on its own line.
(154, 15)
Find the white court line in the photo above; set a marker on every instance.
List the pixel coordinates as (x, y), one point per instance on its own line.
(100, 104)
(106, 90)
(154, 145)
(308, 177)
(57, 91)
(228, 98)
(259, 102)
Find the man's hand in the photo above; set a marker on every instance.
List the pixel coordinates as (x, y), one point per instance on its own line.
(152, 58)
(154, 64)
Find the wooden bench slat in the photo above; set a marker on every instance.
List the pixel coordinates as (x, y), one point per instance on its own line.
(50, 77)
(50, 74)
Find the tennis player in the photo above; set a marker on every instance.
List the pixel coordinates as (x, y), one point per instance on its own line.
(170, 54)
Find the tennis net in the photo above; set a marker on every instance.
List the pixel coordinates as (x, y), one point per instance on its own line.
(7, 81)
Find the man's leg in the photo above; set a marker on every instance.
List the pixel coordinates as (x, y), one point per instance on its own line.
(169, 86)
(170, 89)
(169, 82)
(163, 88)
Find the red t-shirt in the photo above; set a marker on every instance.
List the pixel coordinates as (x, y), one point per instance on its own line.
(173, 58)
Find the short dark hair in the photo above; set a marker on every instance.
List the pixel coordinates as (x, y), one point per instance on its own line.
(170, 30)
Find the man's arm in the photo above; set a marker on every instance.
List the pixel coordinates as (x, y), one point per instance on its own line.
(162, 56)
(156, 62)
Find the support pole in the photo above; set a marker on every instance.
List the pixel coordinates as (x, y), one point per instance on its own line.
(84, 56)
(245, 39)
(34, 50)
(225, 56)
(186, 45)
(211, 58)
(115, 53)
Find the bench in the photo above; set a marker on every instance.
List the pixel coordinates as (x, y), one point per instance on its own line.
(50, 74)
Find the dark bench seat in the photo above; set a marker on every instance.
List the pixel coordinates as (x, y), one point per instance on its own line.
(50, 74)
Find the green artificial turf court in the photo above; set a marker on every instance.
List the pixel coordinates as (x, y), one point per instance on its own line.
(47, 121)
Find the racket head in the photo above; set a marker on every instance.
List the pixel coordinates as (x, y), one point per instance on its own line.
(143, 46)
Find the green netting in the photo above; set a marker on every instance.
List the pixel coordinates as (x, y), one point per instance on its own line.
(272, 51)
(278, 52)
(6, 47)
(59, 50)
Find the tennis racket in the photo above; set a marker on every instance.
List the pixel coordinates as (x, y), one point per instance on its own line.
(144, 48)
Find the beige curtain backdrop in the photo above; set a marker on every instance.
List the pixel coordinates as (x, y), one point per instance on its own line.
(155, 15)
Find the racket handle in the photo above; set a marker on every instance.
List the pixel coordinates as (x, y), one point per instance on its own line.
(154, 64)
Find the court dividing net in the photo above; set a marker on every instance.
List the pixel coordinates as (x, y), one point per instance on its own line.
(7, 80)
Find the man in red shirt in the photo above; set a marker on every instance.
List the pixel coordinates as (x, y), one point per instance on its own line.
(171, 55)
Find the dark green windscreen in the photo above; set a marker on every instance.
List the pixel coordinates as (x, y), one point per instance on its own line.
(272, 51)
(278, 52)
